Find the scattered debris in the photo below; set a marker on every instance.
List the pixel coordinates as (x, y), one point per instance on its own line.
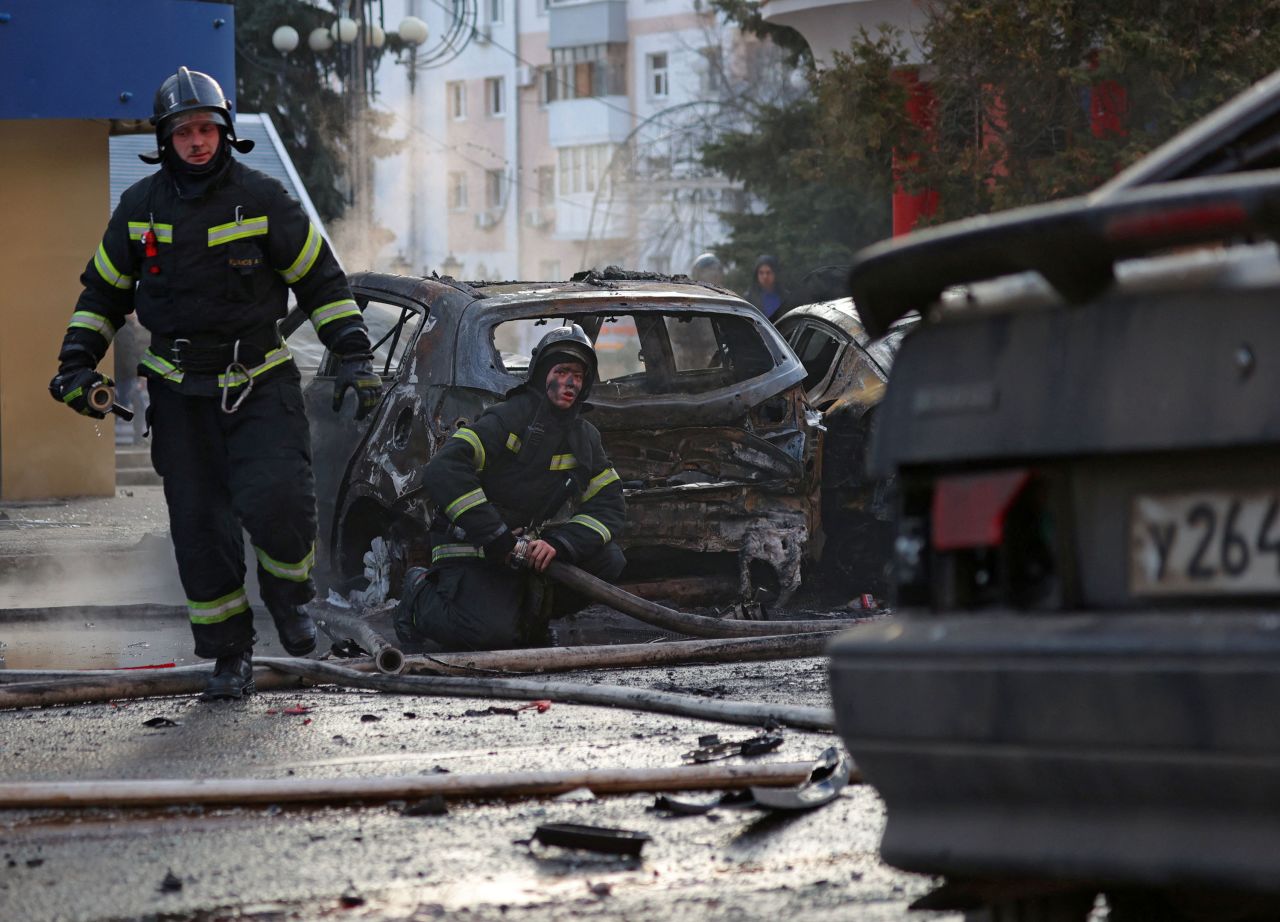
(492, 709)
(601, 888)
(830, 775)
(369, 718)
(160, 722)
(297, 710)
(172, 883)
(711, 747)
(351, 897)
(592, 838)
(435, 805)
(577, 796)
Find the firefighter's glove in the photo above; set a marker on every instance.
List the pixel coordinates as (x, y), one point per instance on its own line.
(498, 547)
(72, 384)
(356, 372)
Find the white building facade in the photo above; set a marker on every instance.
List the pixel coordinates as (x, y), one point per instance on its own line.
(549, 136)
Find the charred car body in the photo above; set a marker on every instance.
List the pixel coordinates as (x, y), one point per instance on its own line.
(699, 404)
(1079, 693)
(845, 374)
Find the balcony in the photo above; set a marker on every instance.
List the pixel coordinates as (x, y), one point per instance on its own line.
(593, 22)
(588, 121)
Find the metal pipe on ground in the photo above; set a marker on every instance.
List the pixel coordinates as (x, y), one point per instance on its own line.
(533, 661)
(161, 792)
(386, 657)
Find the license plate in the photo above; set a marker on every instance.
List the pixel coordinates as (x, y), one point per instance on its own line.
(1205, 543)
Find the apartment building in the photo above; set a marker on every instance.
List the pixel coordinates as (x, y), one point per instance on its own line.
(555, 135)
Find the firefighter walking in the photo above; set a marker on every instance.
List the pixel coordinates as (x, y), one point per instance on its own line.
(205, 251)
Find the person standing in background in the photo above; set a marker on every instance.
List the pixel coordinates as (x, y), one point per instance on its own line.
(766, 291)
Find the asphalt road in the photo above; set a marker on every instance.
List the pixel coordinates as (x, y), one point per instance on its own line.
(381, 860)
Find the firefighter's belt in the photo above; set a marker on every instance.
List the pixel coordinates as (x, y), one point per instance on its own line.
(203, 354)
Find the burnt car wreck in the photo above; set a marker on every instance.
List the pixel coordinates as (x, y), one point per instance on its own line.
(846, 371)
(700, 404)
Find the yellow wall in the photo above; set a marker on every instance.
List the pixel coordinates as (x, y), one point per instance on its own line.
(55, 202)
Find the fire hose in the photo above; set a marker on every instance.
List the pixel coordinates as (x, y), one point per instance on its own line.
(102, 398)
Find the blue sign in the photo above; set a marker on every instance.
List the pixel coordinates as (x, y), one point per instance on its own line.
(105, 58)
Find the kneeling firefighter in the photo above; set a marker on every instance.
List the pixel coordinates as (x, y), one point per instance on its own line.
(206, 250)
(495, 482)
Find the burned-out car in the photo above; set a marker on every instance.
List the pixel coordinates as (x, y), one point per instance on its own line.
(699, 402)
(1079, 693)
(846, 370)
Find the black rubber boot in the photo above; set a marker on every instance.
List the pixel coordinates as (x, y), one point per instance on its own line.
(296, 629)
(232, 677)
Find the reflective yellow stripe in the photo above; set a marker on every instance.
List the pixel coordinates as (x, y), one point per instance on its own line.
(599, 482)
(464, 502)
(445, 551)
(334, 311)
(595, 525)
(171, 372)
(96, 322)
(477, 447)
(513, 442)
(295, 572)
(111, 275)
(306, 258)
(271, 360)
(164, 232)
(563, 462)
(236, 230)
(162, 367)
(219, 610)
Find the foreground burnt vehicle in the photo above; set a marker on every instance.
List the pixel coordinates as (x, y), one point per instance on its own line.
(1079, 694)
(699, 404)
(845, 374)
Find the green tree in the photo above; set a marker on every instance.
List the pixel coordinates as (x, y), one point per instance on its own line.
(1012, 83)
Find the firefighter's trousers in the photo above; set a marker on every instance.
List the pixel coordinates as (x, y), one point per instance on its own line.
(476, 604)
(230, 473)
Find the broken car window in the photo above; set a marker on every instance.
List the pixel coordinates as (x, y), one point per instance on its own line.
(651, 352)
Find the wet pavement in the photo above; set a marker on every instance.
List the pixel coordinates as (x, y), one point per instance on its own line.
(376, 861)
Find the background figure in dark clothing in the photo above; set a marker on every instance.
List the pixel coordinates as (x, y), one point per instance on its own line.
(130, 342)
(766, 291)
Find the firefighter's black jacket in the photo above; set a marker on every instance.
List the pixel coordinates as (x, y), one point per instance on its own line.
(215, 269)
(499, 472)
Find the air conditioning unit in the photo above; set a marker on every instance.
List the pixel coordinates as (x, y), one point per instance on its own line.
(535, 217)
(482, 34)
(524, 75)
(485, 220)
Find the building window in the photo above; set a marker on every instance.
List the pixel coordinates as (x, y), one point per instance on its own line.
(656, 67)
(588, 70)
(546, 85)
(457, 95)
(495, 102)
(496, 10)
(493, 183)
(584, 168)
(457, 191)
(543, 6)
